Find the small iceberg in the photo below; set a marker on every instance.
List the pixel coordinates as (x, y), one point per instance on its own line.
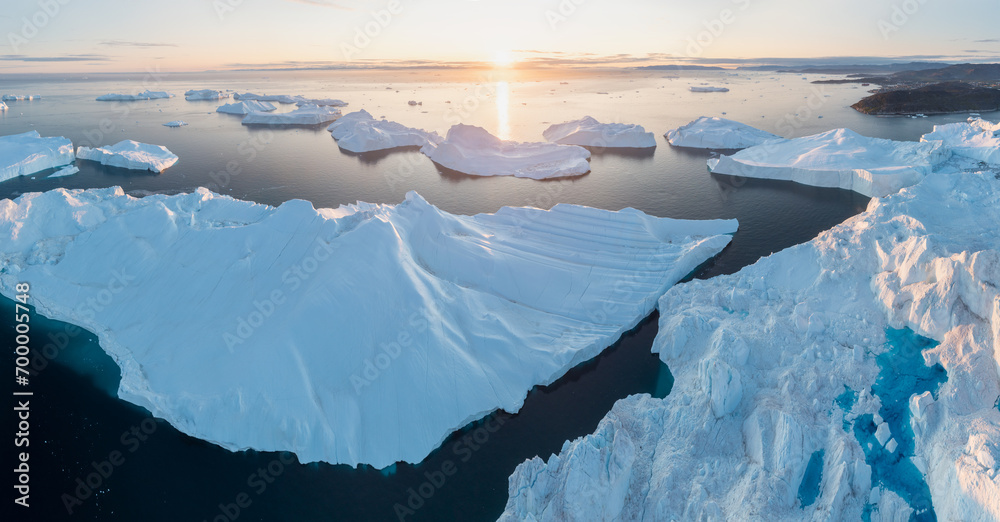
(145, 95)
(205, 94)
(65, 171)
(839, 158)
(718, 133)
(20, 97)
(359, 132)
(175, 123)
(246, 107)
(323, 102)
(305, 115)
(589, 132)
(472, 150)
(3, 106)
(977, 139)
(278, 98)
(695, 88)
(27, 153)
(129, 154)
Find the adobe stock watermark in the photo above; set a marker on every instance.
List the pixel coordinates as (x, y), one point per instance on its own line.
(562, 12)
(901, 13)
(365, 34)
(247, 151)
(31, 26)
(714, 29)
(224, 7)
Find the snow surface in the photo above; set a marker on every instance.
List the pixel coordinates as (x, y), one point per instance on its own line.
(978, 139)
(20, 97)
(205, 94)
(130, 154)
(175, 123)
(360, 132)
(838, 158)
(305, 115)
(475, 151)
(589, 132)
(28, 153)
(718, 133)
(246, 107)
(760, 358)
(65, 171)
(145, 95)
(364, 334)
(695, 88)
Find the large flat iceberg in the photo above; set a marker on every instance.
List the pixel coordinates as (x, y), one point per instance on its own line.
(978, 139)
(28, 153)
(473, 150)
(246, 107)
(783, 396)
(279, 98)
(364, 334)
(205, 94)
(20, 97)
(305, 115)
(838, 158)
(360, 132)
(589, 132)
(128, 154)
(718, 133)
(322, 102)
(145, 95)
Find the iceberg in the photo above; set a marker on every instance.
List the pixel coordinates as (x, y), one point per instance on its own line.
(20, 97)
(977, 139)
(589, 132)
(838, 158)
(472, 150)
(28, 153)
(205, 94)
(65, 171)
(762, 358)
(718, 133)
(359, 132)
(145, 95)
(305, 115)
(3, 106)
(175, 123)
(128, 154)
(363, 334)
(695, 88)
(246, 107)
(322, 102)
(279, 98)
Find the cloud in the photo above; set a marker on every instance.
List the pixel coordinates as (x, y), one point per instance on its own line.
(126, 43)
(325, 3)
(988, 40)
(63, 58)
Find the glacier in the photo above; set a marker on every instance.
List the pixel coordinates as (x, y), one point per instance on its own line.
(784, 359)
(305, 115)
(359, 132)
(363, 334)
(588, 132)
(128, 154)
(205, 94)
(718, 133)
(246, 107)
(978, 139)
(474, 151)
(839, 158)
(28, 153)
(145, 95)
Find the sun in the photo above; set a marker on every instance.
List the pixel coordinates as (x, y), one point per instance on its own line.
(503, 59)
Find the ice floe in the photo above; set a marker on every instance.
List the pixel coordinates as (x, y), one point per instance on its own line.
(28, 153)
(978, 139)
(305, 115)
(472, 150)
(145, 95)
(838, 158)
(128, 154)
(246, 107)
(718, 133)
(205, 94)
(364, 334)
(68, 170)
(589, 132)
(360, 132)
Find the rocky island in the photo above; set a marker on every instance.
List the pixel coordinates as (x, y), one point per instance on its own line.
(938, 98)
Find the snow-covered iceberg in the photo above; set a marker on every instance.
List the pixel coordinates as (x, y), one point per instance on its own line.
(718, 133)
(978, 139)
(145, 95)
(28, 153)
(128, 154)
(785, 387)
(175, 123)
(68, 170)
(360, 132)
(697, 88)
(838, 158)
(205, 94)
(364, 334)
(20, 97)
(589, 132)
(322, 102)
(305, 115)
(278, 98)
(473, 150)
(246, 107)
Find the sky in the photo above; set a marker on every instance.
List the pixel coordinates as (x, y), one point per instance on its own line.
(70, 36)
